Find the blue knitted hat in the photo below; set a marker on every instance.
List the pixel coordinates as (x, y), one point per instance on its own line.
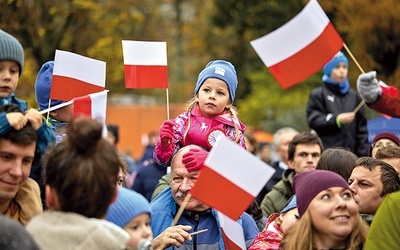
(11, 49)
(338, 58)
(222, 70)
(126, 207)
(292, 203)
(43, 86)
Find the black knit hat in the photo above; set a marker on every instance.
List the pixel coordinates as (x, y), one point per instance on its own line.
(11, 49)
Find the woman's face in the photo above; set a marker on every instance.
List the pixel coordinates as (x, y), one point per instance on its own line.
(334, 215)
(138, 228)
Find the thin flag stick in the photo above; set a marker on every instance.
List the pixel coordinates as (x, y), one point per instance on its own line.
(177, 216)
(180, 211)
(167, 93)
(362, 71)
(354, 59)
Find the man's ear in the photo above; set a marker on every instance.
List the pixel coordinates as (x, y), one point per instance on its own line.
(290, 164)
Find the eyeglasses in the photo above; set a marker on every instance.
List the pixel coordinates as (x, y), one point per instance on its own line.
(384, 145)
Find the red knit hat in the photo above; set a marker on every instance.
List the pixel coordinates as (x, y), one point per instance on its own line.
(384, 135)
(308, 184)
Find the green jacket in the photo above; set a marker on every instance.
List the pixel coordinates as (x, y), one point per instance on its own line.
(276, 199)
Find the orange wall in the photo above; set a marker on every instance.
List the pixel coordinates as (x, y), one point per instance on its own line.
(138, 119)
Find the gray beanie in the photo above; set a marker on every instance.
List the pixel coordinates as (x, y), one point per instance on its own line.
(11, 49)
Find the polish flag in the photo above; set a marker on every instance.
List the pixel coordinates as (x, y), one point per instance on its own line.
(92, 105)
(232, 233)
(299, 48)
(237, 176)
(145, 64)
(75, 75)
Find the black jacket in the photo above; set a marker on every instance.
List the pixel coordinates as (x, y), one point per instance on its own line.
(323, 106)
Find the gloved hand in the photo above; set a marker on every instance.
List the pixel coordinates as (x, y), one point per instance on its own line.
(194, 159)
(368, 87)
(167, 132)
(165, 146)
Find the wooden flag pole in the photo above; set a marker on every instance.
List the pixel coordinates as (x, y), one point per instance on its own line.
(362, 71)
(180, 211)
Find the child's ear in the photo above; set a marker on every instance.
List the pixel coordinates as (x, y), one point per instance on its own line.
(54, 113)
(51, 198)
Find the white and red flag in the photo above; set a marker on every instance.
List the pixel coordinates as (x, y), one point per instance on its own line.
(232, 233)
(231, 178)
(301, 47)
(75, 75)
(92, 105)
(145, 64)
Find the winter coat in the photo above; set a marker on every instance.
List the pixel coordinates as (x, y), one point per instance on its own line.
(64, 230)
(324, 105)
(26, 204)
(203, 132)
(277, 198)
(164, 209)
(388, 103)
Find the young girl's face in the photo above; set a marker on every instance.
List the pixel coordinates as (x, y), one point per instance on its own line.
(213, 97)
(139, 228)
(339, 73)
(9, 76)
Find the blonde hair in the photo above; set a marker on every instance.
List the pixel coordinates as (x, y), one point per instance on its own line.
(232, 111)
(299, 236)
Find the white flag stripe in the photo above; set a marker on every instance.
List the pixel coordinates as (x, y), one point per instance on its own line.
(99, 106)
(292, 37)
(79, 67)
(144, 53)
(232, 229)
(239, 166)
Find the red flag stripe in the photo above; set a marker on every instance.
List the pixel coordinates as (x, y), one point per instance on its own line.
(137, 76)
(66, 88)
(221, 187)
(83, 106)
(229, 244)
(308, 60)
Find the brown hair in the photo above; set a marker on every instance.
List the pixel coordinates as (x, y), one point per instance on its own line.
(338, 160)
(83, 169)
(300, 235)
(388, 153)
(389, 176)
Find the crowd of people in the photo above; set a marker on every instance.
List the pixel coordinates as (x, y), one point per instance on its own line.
(63, 185)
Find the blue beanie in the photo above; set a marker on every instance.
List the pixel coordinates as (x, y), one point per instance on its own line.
(43, 85)
(127, 206)
(222, 70)
(11, 49)
(291, 204)
(338, 58)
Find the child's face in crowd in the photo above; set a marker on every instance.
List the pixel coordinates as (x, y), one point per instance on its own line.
(213, 97)
(9, 76)
(139, 228)
(339, 73)
(289, 219)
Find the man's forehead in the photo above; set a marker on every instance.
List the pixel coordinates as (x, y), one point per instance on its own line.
(365, 172)
(309, 148)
